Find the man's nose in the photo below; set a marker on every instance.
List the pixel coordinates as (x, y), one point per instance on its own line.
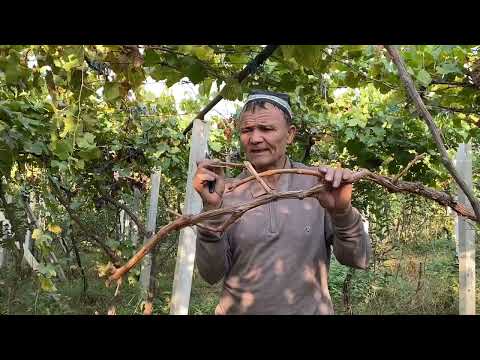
(256, 137)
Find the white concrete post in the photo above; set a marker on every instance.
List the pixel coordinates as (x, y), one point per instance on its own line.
(182, 282)
(465, 237)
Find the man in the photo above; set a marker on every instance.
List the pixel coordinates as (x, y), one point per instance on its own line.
(275, 258)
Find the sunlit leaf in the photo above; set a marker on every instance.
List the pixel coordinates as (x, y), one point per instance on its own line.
(36, 234)
(54, 228)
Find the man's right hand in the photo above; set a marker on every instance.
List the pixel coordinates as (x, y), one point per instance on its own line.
(205, 173)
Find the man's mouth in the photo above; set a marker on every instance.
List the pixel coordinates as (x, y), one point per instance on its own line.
(258, 151)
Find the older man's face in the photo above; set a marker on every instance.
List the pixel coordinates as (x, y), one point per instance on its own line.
(264, 135)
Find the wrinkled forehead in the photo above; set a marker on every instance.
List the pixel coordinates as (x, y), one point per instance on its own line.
(270, 114)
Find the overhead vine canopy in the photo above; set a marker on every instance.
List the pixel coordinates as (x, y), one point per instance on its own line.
(70, 106)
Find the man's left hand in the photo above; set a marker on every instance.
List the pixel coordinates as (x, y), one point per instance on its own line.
(338, 197)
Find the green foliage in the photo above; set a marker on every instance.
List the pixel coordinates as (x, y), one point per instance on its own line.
(81, 115)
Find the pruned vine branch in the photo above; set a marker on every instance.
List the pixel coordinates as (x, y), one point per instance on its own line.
(409, 165)
(237, 211)
(252, 171)
(422, 110)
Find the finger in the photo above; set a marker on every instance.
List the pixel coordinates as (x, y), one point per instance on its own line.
(337, 178)
(204, 163)
(216, 169)
(201, 163)
(208, 175)
(347, 175)
(219, 171)
(201, 177)
(329, 175)
(323, 169)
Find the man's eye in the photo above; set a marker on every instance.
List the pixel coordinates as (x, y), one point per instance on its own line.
(246, 131)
